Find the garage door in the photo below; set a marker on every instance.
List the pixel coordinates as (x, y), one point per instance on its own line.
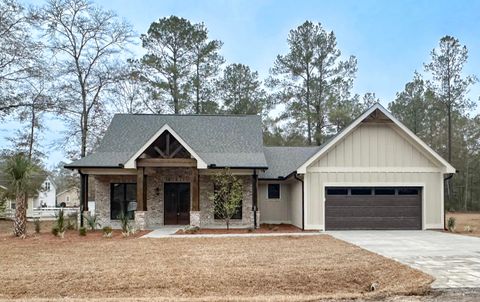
(370, 208)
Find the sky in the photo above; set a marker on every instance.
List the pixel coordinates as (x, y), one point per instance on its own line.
(390, 39)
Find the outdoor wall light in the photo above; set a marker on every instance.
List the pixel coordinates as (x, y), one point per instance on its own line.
(157, 191)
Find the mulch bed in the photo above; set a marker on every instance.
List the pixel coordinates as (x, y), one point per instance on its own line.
(263, 229)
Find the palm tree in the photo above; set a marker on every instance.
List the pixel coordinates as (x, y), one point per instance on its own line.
(22, 178)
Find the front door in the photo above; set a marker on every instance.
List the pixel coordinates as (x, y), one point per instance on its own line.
(177, 203)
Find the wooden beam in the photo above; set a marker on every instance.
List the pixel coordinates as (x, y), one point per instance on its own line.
(159, 151)
(141, 190)
(166, 162)
(195, 190)
(167, 144)
(176, 151)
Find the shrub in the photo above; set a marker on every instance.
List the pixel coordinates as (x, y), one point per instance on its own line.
(451, 224)
(250, 230)
(82, 231)
(60, 224)
(92, 221)
(125, 224)
(107, 232)
(468, 228)
(72, 222)
(55, 231)
(36, 222)
(191, 229)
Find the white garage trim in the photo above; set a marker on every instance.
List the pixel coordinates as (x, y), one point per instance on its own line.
(379, 184)
(303, 168)
(374, 169)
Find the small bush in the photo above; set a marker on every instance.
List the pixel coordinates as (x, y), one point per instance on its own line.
(55, 231)
(60, 224)
(92, 222)
(107, 232)
(72, 221)
(250, 230)
(36, 222)
(82, 231)
(191, 229)
(125, 224)
(451, 224)
(468, 228)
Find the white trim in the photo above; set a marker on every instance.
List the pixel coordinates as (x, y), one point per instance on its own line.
(442, 200)
(303, 168)
(314, 227)
(213, 171)
(379, 184)
(434, 226)
(131, 164)
(306, 201)
(374, 169)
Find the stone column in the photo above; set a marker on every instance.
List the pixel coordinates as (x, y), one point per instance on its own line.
(140, 220)
(195, 218)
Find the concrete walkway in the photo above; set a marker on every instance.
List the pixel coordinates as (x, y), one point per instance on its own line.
(454, 260)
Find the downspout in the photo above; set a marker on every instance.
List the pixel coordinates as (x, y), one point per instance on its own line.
(444, 211)
(303, 200)
(255, 197)
(82, 196)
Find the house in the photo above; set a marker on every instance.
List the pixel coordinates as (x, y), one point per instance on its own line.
(375, 174)
(46, 197)
(69, 197)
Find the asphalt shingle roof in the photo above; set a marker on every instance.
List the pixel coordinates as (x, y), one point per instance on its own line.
(221, 140)
(282, 161)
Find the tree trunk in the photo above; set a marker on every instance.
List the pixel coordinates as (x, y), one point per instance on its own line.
(197, 88)
(20, 222)
(32, 133)
(84, 125)
(449, 115)
(309, 122)
(228, 224)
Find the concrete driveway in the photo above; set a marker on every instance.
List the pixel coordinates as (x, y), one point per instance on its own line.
(454, 260)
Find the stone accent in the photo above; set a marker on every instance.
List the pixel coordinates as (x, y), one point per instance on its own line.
(206, 205)
(195, 218)
(140, 220)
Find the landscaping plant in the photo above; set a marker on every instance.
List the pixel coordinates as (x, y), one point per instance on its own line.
(125, 224)
(451, 224)
(36, 222)
(227, 196)
(107, 232)
(92, 221)
(82, 231)
(59, 228)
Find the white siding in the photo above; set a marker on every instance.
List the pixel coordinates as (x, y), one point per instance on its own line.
(296, 203)
(375, 155)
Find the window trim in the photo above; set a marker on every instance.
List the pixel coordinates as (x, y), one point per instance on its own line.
(279, 191)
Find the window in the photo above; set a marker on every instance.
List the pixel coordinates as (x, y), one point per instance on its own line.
(384, 191)
(408, 191)
(273, 191)
(361, 191)
(13, 205)
(337, 191)
(123, 199)
(68, 198)
(238, 214)
(47, 186)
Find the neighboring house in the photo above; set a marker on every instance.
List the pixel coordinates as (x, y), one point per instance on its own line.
(69, 197)
(375, 174)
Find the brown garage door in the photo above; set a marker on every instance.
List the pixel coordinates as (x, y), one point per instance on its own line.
(369, 208)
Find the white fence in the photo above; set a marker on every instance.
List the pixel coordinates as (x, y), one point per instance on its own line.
(43, 213)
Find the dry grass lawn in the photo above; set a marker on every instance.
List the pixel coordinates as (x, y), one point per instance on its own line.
(471, 219)
(204, 269)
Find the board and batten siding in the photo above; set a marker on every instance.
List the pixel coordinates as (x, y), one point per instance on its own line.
(375, 154)
(287, 209)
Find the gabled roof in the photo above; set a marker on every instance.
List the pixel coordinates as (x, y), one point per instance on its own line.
(220, 140)
(282, 161)
(448, 168)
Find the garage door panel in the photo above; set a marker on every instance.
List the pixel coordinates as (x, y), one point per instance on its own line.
(374, 211)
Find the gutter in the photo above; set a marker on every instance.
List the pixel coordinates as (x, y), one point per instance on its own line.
(303, 200)
(445, 212)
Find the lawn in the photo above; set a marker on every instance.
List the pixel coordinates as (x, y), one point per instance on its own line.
(471, 219)
(289, 268)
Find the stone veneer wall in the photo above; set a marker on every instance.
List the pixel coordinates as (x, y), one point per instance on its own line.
(206, 205)
(156, 177)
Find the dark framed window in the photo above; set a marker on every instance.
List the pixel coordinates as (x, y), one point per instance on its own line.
(361, 191)
(408, 191)
(273, 191)
(337, 191)
(123, 198)
(384, 191)
(238, 213)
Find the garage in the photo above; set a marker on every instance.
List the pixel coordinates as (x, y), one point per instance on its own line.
(373, 208)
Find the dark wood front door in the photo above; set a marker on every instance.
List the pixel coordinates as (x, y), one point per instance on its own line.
(177, 203)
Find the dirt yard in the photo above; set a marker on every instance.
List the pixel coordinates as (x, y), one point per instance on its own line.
(466, 219)
(287, 268)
